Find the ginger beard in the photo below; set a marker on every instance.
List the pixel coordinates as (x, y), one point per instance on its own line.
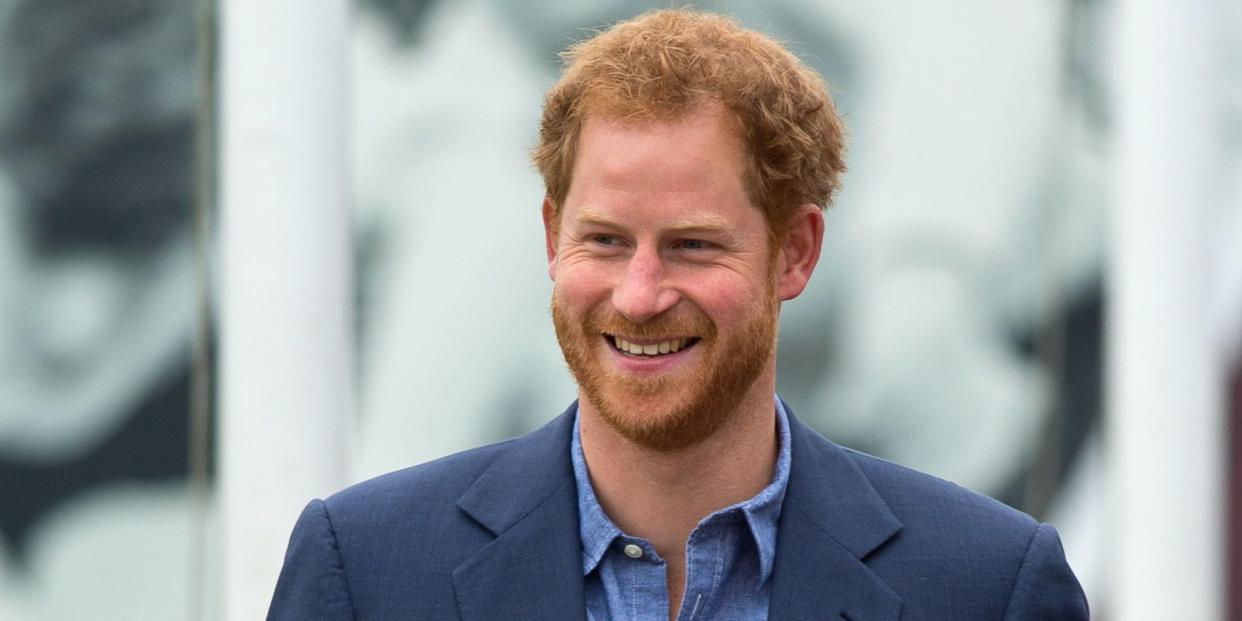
(690, 404)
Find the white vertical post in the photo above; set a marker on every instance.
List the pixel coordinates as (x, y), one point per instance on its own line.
(1165, 414)
(285, 316)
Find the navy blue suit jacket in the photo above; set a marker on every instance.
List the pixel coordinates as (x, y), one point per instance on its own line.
(492, 534)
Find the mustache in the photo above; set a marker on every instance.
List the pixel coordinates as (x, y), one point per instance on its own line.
(664, 326)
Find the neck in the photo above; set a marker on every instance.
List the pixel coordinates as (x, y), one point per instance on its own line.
(661, 496)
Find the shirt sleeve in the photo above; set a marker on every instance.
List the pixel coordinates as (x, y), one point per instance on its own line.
(312, 582)
(1046, 588)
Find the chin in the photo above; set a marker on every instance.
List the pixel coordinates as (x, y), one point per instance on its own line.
(662, 423)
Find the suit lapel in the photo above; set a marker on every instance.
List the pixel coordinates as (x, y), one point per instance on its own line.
(832, 518)
(528, 499)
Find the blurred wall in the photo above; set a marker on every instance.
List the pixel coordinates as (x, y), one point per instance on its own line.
(97, 308)
(954, 324)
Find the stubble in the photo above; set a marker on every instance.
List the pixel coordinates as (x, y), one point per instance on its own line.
(672, 411)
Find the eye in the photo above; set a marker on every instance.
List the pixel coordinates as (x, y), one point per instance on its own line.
(604, 240)
(693, 244)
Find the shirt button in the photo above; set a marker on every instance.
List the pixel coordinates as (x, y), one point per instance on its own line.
(633, 551)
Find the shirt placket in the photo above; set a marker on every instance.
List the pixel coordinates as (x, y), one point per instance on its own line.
(705, 558)
(638, 566)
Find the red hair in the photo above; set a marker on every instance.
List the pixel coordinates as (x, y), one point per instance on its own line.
(662, 65)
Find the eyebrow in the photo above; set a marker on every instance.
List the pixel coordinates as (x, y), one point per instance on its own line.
(695, 222)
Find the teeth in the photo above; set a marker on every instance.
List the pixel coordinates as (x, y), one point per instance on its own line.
(653, 349)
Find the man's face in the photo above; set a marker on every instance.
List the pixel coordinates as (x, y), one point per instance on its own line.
(664, 300)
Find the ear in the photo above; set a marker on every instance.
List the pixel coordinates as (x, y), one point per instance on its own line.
(551, 222)
(799, 252)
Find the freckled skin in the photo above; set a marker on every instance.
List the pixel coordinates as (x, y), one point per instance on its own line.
(658, 239)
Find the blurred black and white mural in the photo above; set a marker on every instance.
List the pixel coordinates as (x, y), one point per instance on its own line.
(955, 323)
(97, 307)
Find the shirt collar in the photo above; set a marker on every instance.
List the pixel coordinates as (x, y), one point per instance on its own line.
(596, 530)
(762, 511)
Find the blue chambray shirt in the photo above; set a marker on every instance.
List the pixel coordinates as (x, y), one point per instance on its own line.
(729, 554)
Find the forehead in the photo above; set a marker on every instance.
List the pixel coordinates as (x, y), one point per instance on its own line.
(698, 152)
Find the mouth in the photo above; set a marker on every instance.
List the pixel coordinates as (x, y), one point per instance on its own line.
(650, 348)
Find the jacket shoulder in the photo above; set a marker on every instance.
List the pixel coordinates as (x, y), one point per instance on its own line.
(917, 497)
(967, 551)
(404, 528)
(389, 545)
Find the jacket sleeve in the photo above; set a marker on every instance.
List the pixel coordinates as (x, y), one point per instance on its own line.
(312, 582)
(1046, 588)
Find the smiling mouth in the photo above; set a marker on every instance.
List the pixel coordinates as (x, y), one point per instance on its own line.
(658, 348)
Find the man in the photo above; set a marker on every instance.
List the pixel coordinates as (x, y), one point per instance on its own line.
(687, 162)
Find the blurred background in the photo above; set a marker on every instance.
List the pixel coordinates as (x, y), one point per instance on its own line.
(251, 255)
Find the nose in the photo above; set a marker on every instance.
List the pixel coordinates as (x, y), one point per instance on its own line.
(643, 292)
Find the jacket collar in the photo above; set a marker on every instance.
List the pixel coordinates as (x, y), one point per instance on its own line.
(831, 520)
(528, 500)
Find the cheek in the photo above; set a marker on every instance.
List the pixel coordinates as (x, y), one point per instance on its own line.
(580, 287)
(726, 299)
